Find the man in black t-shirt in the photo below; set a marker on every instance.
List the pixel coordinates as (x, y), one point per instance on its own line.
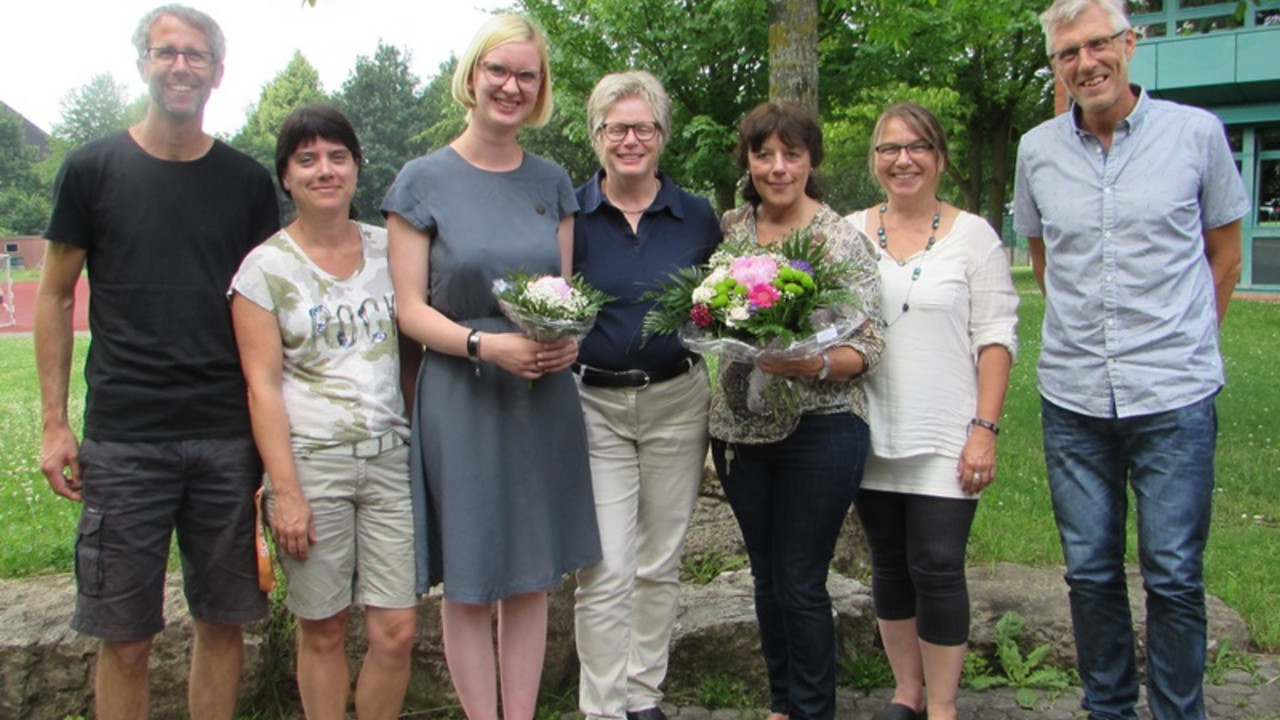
(161, 215)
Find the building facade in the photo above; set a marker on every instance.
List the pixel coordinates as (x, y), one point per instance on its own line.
(1225, 57)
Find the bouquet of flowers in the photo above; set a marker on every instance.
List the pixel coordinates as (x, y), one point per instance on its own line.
(548, 307)
(749, 301)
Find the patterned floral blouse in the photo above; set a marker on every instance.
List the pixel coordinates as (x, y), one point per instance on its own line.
(731, 419)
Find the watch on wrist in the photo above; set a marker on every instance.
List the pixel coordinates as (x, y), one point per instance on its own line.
(473, 348)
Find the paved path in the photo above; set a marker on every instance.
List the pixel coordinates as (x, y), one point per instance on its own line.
(1242, 696)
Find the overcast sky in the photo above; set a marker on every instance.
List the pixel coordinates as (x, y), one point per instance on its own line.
(50, 47)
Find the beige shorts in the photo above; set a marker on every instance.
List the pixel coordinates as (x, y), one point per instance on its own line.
(364, 551)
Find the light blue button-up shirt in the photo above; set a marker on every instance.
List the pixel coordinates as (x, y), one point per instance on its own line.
(1130, 325)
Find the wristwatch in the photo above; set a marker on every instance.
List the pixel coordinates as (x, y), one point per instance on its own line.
(473, 348)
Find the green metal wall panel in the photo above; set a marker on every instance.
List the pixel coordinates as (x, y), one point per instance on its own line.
(1201, 61)
(1258, 55)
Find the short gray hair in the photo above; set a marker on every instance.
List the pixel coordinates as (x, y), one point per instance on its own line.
(190, 16)
(615, 87)
(1063, 12)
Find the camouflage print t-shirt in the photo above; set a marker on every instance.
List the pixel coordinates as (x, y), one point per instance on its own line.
(341, 380)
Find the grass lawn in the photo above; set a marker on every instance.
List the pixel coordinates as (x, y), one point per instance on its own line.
(1015, 517)
(1014, 522)
(18, 275)
(37, 528)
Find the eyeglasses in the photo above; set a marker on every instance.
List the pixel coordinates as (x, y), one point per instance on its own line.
(915, 149)
(498, 74)
(196, 59)
(1096, 46)
(617, 132)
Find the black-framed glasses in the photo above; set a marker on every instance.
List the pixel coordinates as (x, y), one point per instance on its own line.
(197, 59)
(498, 74)
(916, 149)
(617, 132)
(1096, 46)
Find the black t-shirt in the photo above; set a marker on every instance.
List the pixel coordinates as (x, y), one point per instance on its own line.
(162, 240)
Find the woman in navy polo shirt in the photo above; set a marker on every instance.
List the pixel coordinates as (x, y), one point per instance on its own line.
(645, 400)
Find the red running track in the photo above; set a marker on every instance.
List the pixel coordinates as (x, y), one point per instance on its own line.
(24, 300)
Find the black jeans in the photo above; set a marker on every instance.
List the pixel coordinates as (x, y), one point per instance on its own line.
(790, 498)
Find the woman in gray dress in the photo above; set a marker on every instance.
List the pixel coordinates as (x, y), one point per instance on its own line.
(504, 460)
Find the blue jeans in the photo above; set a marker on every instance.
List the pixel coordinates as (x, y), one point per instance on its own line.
(1167, 458)
(790, 498)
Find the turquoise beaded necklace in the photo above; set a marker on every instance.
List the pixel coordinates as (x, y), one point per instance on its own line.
(915, 274)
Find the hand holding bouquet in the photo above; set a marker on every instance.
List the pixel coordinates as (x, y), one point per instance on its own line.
(548, 308)
(783, 303)
(789, 302)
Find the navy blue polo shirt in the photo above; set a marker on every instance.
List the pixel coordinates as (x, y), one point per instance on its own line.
(678, 230)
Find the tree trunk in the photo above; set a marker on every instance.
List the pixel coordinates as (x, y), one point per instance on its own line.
(999, 180)
(793, 52)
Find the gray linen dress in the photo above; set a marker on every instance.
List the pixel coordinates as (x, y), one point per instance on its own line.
(508, 498)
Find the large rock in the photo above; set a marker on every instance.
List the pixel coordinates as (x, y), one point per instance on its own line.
(1040, 596)
(46, 668)
(716, 633)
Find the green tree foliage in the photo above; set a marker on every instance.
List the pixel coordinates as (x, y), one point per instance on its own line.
(988, 57)
(710, 55)
(565, 138)
(97, 108)
(91, 111)
(978, 64)
(24, 206)
(297, 85)
(381, 99)
(444, 118)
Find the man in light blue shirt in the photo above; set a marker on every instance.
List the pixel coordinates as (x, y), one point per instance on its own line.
(1132, 210)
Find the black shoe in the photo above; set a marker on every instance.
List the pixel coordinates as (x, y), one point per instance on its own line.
(653, 713)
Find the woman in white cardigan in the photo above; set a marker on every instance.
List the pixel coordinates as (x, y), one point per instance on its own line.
(950, 314)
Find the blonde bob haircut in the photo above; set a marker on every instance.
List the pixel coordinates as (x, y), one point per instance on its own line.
(497, 31)
(616, 87)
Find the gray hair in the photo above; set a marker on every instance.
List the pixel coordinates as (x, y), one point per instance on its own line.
(1063, 12)
(190, 16)
(615, 87)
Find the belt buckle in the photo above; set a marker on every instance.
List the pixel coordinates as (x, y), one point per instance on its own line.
(640, 375)
(368, 448)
